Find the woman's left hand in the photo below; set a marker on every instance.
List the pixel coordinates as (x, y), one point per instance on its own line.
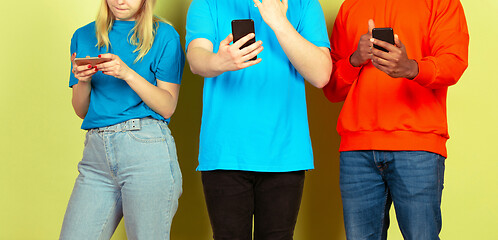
(115, 67)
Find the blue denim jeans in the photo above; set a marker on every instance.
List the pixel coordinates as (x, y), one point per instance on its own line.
(129, 169)
(371, 180)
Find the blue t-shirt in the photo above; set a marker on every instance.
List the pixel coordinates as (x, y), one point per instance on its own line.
(112, 100)
(255, 119)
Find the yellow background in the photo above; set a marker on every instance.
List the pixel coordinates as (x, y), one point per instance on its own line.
(41, 143)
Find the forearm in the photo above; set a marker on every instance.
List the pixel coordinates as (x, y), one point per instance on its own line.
(203, 62)
(159, 100)
(81, 98)
(312, 62)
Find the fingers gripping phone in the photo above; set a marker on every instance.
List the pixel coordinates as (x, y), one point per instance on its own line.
(242, 27)
(384, 34)
(90, 61)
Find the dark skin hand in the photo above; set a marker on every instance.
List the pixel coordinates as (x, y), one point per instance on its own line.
(395, 62)
(363, 52)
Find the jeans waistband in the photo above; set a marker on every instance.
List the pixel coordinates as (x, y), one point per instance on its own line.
(129, 125)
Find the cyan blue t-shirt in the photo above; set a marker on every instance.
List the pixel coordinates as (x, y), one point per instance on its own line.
(112, 100)
(255, 119)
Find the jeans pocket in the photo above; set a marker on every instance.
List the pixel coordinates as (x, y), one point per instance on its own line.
(148, 133)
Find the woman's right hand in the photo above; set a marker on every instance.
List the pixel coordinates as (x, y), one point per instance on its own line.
(83, 73)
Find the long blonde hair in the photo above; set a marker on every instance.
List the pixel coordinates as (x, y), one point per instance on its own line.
(142, 35)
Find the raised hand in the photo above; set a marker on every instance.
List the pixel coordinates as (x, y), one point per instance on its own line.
(364, 51)
(274, 12)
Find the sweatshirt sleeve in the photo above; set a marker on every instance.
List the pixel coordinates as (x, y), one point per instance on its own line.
(448, 47)
(343, 73)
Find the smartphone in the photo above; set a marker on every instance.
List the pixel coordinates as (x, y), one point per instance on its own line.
(242, 27)
(384, 34)
(90, 61)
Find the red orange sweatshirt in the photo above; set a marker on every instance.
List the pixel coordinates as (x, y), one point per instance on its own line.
(384, 113)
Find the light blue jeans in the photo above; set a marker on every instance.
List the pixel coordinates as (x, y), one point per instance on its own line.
(371, 180)
(129, 169)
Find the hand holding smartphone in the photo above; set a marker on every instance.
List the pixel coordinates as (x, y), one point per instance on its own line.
(384, 34)
(242, 27)
(90, 61)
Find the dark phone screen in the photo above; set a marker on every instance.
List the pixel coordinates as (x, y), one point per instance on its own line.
(384, 34)
(242, 27)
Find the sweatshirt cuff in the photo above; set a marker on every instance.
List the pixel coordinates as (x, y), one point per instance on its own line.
(426, 72)
(347, 71)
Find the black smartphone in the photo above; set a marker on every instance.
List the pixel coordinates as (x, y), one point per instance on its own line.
(384, 34)
(242, 27)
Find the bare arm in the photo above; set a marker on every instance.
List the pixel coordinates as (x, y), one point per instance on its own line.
(203, 61)
(161, 98)
(312, 62)
(81, 90)
(81, 98)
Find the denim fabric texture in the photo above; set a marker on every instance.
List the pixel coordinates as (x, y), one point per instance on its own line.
(233, 198)
(129, 169)
(371, 180)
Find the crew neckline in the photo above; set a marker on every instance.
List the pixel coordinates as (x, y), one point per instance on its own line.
(123, 24)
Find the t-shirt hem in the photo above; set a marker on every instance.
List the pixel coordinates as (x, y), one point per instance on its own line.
(255, 169)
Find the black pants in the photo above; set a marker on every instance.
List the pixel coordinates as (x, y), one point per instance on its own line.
(234, 197)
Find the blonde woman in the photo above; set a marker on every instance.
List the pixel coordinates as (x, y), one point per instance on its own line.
(129, 167)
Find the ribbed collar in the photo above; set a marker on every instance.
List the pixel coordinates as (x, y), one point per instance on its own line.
(123, 25)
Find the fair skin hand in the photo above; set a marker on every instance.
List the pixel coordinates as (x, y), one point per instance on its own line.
(204, 62)
(312, 62)
(394, 63)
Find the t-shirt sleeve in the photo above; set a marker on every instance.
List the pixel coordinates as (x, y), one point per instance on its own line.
(171, 62)
(73, 48)
(313, 26)
(200, 22)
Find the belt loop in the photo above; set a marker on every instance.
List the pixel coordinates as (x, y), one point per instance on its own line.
(134, 124)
